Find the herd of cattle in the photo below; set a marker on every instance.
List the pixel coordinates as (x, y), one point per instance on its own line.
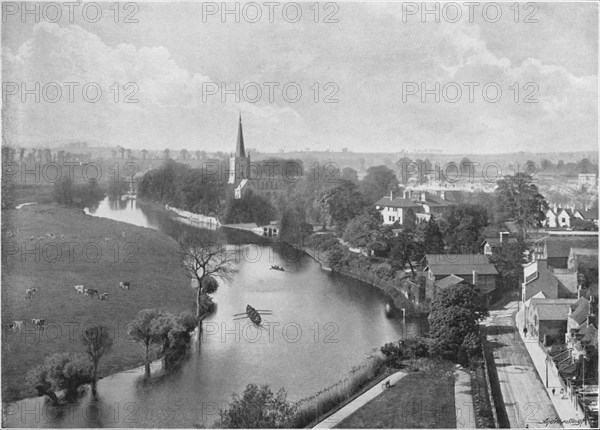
(87, 292)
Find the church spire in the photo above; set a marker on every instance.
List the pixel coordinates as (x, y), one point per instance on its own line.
(240, 151)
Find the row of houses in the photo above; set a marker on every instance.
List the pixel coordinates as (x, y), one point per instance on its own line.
(557, 217)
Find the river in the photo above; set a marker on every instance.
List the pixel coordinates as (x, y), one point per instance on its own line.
(322, 325)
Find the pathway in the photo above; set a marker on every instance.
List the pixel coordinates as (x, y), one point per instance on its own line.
(463, 398)
(570, 416)
(359, 402)
(526, 401)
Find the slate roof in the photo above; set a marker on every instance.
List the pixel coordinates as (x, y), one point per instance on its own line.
(449, 281)
(553, 311)
(591, 215)
(580, 310)
(558, 247)
(397, 203)
(435, 201)
(459, 264)
(495, 241)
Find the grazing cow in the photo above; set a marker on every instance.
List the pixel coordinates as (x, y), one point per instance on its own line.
(125, 285)
(30, 292)
(103, 296)
(16, 325)
(39, 323)
(78, 288)
(106, 239)
(62, 236)
(32, 238)
(91, 292)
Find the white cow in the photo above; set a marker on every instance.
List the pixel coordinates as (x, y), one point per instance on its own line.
(30, 292)
(78, 288)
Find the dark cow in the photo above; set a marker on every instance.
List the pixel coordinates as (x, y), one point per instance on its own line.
(103, 296)
(91, 292)
(30, 292)
(39, 323)
(16, 325)
(125, 285)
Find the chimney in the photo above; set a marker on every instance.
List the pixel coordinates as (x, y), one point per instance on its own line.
(406, 194)
(391, 195)
(504, 236)
(443, 195)
(555, 208)
(475, 280)
(423, 196)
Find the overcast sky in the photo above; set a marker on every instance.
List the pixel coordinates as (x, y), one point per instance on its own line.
(369, 57)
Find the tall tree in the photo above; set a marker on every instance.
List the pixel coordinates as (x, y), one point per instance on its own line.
(518, 199)
(97, 342)
(455, 312)
(433, 241)
(204, 261)
(364, 230)
(462, 228)
(342, 203)
(509, 259)
(404, 249)
(140, 329)
(378, 182)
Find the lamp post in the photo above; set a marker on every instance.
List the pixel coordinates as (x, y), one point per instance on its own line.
(547, 361)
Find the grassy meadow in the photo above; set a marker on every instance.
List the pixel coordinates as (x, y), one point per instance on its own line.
(147, 258)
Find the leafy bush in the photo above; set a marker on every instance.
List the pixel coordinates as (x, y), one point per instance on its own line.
(393, 352)
(258, 407)
(63, 371)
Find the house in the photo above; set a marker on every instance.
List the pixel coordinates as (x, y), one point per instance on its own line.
(587, 181)
(489, 244)
(552, 283)
(547, 319)
(587, 215)
(582, 257)
(432, 205)
(564, 217)
(396, 209)
(556, 250)
(551, 220)
(474, 269)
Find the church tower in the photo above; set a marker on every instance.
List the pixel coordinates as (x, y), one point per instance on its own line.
(240, 162)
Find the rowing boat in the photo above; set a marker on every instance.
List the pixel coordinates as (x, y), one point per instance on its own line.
(253, 315)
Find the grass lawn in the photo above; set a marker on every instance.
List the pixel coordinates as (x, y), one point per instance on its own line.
(420, 400)
(147, 258)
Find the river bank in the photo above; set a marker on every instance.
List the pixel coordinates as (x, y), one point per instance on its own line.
(399, 300)
(52, 248)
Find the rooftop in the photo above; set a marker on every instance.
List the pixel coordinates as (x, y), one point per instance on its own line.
(553, 311)
(449, 281)
(459, 264)
(558, 247)
(397, 203)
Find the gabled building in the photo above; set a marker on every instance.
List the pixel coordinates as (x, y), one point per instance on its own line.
(552, 283)
(547, 318)
(556, 249)
(490, 244)
(587, 181)
(395, 209)
(473, 269)
(587, 215)
(564, 217)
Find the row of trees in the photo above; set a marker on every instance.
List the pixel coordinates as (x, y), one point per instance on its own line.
(67, 371)
(162, 335)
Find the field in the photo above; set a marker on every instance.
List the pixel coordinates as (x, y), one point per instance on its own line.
(95, 252)
(409, 404)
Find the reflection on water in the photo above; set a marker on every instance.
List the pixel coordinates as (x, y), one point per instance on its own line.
(322, 325)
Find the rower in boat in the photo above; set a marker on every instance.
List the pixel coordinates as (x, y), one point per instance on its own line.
(253, 314)
(275, 267)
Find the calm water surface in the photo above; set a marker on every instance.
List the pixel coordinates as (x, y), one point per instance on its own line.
(322, 325)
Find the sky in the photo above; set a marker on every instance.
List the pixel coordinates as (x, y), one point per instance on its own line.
(369, 77)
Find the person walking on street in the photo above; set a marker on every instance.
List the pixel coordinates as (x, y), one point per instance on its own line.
(553, 390)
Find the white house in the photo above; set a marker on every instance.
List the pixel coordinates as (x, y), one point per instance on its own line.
(587, 180)
(564, 217)
(395, 209)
